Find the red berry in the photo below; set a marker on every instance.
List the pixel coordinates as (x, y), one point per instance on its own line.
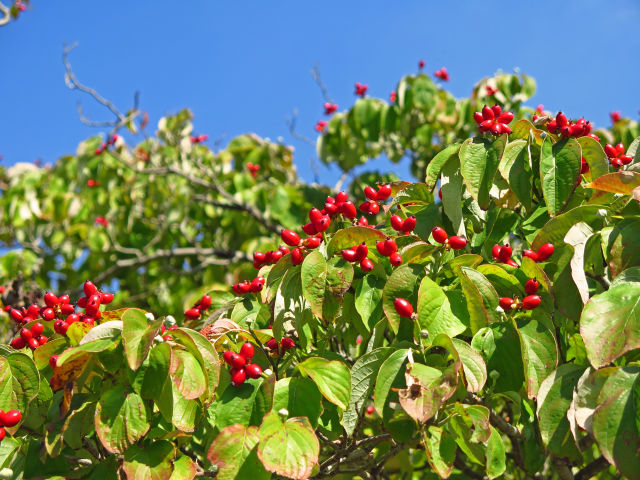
(257, 284)
(237, 361)
(531, 286)
(37, 329)
(349, 254)
(48, 314)
(366, 265)
(409, 224)
(439, 235)
(192, 314)
(403, 307)
(247, 350)
(505, 252)
(545, 251)
(253, 370)
(18, 343)
(238, 376)
(530, 302)
(383, 192)
(506, 303)
(290, 237)
(396, 222)
(296, 256)
(395, 259)
(11, 418)
(370, 193)
(286, 343)
(457, 243)
(89, 288)
(348, 210)
(53, 360)
(50, 299)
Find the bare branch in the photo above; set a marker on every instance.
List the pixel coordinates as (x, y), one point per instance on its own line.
(315, 73)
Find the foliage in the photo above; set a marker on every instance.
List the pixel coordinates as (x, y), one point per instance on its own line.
(480, 381)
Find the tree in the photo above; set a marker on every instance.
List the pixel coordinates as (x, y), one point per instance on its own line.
(480, 323)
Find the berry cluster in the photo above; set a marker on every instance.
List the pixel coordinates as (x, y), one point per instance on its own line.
(358, 254)
(543, 253)
(361, 89)
(389, 248)
(503, 253)
(253, 169)
(372, 207)
(8, 419)
(253, 286)
(455, 242)
(616, 155)
(113, 139)
(442, 74)
(240, 366)
(530, 302)
(199, 138)
(330, 108)
(286, 343)
(198, 309)
(579, 128)
(404, 226)
(493, 120)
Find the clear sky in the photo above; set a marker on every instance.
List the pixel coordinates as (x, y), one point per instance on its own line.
(244, 66)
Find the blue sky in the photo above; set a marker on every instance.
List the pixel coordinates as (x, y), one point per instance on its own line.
(244, 66)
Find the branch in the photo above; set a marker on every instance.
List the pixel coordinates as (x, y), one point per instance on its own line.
(592, 469)
(315, 73)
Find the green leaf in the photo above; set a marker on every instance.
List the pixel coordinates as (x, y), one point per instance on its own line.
(559, 172)
(350, 236)
(153, 461)
(610, 323)
(479, 160)
(137, 336)
(363, 375)
(120, 419)
(438, 162)
(440, 448)
(475, 370)
(499, 345)
(615, 425)
(539, 353)
(300, 397)
(289, 449)
(515, 167)
(390, 370)
(434, 311)
(332, 378)
(234, 452)
(554, 398)
(402, 283)
(496, 455)
(621, 181)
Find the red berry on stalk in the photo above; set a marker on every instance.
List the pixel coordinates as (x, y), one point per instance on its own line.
(290, 237)
(349, 254)
(530, 302)
(238, 376)
(192, 314)
(247, 350)
(506, 303)
(37, 329)
(439, 235)
(531, 286)
(286, 343)
(253, 370)
(383, 193)
(545, 251)
(366, 265)
(403, 307)
(370, 193)
(457, 243)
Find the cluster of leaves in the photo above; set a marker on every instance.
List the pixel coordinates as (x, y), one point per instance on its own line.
(463, 390)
